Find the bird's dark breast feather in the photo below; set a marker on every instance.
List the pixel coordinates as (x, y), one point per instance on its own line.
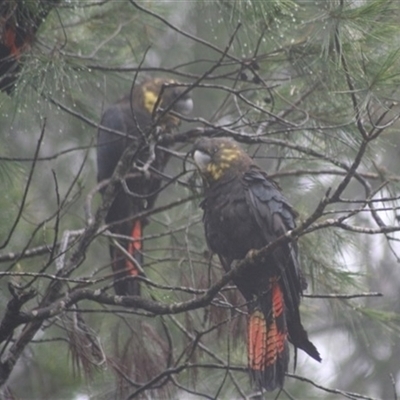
(228, 223)
(231, 231)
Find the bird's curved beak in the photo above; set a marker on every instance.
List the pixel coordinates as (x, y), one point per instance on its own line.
(201, 159)
(184, 106)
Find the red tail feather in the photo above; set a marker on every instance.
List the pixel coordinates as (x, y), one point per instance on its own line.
(134, 247)
(268, 351)
(10, 41)
(124, 267)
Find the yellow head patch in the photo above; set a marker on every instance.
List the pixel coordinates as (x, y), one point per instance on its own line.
(150, 99)
(151, 90)
(222, 161)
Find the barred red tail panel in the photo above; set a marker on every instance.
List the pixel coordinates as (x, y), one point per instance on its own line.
(267, 342)
(257, 341)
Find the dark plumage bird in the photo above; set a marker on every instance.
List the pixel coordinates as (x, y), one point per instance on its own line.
(245, 210)
(136, 119)
(19, 22)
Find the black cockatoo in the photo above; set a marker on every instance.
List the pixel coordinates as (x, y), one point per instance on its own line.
(245, 210)
(19, 22)
(135, 118)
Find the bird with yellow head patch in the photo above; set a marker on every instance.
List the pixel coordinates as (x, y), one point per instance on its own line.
(245, 210)
(135, 121)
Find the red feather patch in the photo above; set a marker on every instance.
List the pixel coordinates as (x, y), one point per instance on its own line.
(134, 246)
(266, 340)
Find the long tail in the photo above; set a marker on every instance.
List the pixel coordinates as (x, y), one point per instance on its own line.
(268, 351)
(299, 338)
(124, 269)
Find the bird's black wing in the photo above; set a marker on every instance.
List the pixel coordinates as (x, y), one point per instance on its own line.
(275, 216)
(121, 128)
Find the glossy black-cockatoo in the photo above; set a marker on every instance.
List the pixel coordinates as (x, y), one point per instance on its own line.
(135, 119)
(245, 210)
(19, 22)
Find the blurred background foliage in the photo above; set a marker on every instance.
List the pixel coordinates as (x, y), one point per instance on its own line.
(298, 79)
